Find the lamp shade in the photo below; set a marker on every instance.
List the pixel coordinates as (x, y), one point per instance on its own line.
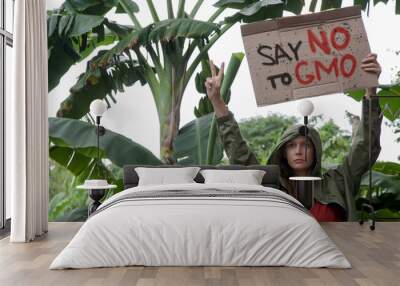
(305, 107)
(98, 107)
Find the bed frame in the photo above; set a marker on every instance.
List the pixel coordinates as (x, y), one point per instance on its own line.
(270, 179)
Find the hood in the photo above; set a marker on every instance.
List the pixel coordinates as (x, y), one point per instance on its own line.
(277, 157)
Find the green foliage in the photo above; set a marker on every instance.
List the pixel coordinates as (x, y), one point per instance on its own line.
(91, 7)
(191, 143)
(66, 202)
(73, 150)
(335, 143)
(100, 83)
(132, 6)
(80, 137)
(63, 196)
(385, 191)
(73, 35)
(389, 168)
(263, 133)
(390, 106)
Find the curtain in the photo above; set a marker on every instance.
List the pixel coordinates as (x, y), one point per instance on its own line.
(27, 123)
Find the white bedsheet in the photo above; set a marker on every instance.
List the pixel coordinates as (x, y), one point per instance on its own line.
(200, 231)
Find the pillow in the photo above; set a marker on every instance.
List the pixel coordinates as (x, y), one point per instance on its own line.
(162, 176)
(248, 177)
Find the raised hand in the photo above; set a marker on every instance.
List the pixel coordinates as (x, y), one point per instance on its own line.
(370, 64)
(213, 89)
(213, 83)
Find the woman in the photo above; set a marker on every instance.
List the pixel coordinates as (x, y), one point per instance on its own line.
(335, 201)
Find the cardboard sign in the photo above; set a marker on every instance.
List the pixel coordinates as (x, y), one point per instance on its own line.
(309, 55)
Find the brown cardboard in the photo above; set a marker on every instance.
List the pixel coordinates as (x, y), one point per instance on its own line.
(276, 49)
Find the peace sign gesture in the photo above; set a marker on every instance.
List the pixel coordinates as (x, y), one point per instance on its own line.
(213, 83)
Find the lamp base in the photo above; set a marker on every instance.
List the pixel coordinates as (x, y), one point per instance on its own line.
(96, 195)
(371, 208)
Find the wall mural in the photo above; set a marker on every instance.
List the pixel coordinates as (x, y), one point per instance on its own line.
(78, 28)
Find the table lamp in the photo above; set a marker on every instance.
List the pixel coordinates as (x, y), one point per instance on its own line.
(305, 108)
(97, 187)
(305, 187)
(97, 108)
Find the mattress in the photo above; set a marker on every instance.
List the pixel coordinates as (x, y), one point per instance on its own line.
(201, 225)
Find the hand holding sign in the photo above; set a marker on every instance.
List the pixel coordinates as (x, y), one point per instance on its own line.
(309, 55)
(370, 64)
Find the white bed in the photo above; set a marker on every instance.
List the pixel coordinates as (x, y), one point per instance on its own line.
(183, 230)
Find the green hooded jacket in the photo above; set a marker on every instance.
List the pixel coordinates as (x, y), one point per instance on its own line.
(339, 184)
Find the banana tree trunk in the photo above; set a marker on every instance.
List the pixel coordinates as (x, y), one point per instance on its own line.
(169, 114)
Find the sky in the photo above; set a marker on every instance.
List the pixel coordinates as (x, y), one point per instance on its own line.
(135, 116)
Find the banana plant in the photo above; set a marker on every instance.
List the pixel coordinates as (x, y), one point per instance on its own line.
(389, 102)
(175, 47)
(73, 144)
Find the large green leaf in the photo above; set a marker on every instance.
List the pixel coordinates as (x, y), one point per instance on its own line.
(390, 102)
(160, 31)
(132, 6)
(126, 42)
(356, 94)
(81, 136)
(77, 36)
(72, 25)
(330, 4)
(63, 54)
(385, 191)
(294, 6)
(398, 7)
(258, 11)
(362, 3)
(70, 158)
(90, 7)
(83, 24)
(119, 30)
(181, 28)
(390, 168)
(100, 83)
(313, 5)
(64, 24)
(82, 5)
(61, 57)
(234, 4)
(387, 183)
(191, 142)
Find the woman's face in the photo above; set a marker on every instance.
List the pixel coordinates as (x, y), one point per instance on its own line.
(295, 155)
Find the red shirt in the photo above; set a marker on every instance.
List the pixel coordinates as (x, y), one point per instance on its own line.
(329, 212)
